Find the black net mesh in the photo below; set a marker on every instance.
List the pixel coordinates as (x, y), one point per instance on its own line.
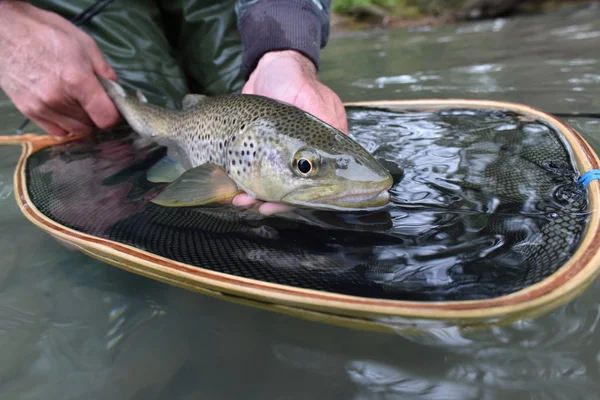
(485, 203)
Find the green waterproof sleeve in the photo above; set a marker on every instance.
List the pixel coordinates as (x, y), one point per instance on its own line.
(165, 48)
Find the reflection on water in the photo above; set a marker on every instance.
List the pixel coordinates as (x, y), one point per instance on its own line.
(71, 327)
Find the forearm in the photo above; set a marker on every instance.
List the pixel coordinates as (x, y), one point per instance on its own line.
(271, 25)
(48, 69)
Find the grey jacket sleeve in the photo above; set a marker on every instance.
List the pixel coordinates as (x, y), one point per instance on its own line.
(270, 25)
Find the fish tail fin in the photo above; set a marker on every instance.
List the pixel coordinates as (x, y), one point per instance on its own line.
(145, 118)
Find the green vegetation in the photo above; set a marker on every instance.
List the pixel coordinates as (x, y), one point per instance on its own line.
(397, 8)
(415, 9)
(348, 6)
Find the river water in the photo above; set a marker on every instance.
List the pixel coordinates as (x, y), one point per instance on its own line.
(74, 328)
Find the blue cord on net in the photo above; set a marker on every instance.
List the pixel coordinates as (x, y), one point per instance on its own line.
(589, 176)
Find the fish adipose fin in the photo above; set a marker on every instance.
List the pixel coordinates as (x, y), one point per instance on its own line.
(202, 185)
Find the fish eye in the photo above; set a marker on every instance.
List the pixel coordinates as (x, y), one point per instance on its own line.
(306, 163)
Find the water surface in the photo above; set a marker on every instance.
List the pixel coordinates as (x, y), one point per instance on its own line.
(72, 327)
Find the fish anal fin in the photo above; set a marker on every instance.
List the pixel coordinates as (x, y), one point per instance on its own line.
(205, 184)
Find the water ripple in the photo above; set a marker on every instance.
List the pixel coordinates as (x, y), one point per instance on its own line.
(382, 380)
(6, 187)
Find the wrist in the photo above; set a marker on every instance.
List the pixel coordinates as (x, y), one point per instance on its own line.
(292, 58)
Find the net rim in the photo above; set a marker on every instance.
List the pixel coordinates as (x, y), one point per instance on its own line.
(567, 282)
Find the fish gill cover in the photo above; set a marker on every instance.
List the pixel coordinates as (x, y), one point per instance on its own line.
(484, 203)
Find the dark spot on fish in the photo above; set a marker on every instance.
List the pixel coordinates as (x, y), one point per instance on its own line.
(244, 169)
(248, 163)
(254, 154)
(220, 145)
(245, 144)
(243, 153)
(251, 144)
(232, 162)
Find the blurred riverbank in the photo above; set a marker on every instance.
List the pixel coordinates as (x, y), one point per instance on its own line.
(358, 15)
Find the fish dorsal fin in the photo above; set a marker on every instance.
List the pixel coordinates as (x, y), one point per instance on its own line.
(202, 185)
(190, 100)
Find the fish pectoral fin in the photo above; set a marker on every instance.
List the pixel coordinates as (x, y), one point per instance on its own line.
(190, 100)
(204, 184)
(167, 169)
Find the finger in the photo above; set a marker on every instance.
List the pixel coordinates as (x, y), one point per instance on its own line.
(248, 88)
(52, 102)
(73, 111)
(267, 209)
(325, 114)
(49, 127)
(314, 102)
(274, 208)
(333, 110)
(64, 121)
(243, 200)
(99, 63)
(342, 120)
(47, 109)
(97, 104)
(54, 123)
(335, 118)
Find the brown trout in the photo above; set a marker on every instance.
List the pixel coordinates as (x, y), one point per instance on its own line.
(272, 151)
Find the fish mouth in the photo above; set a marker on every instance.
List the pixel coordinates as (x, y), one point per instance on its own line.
(355, 199)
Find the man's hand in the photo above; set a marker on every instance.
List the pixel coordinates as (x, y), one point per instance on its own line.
(47, 69)
(290, 77)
